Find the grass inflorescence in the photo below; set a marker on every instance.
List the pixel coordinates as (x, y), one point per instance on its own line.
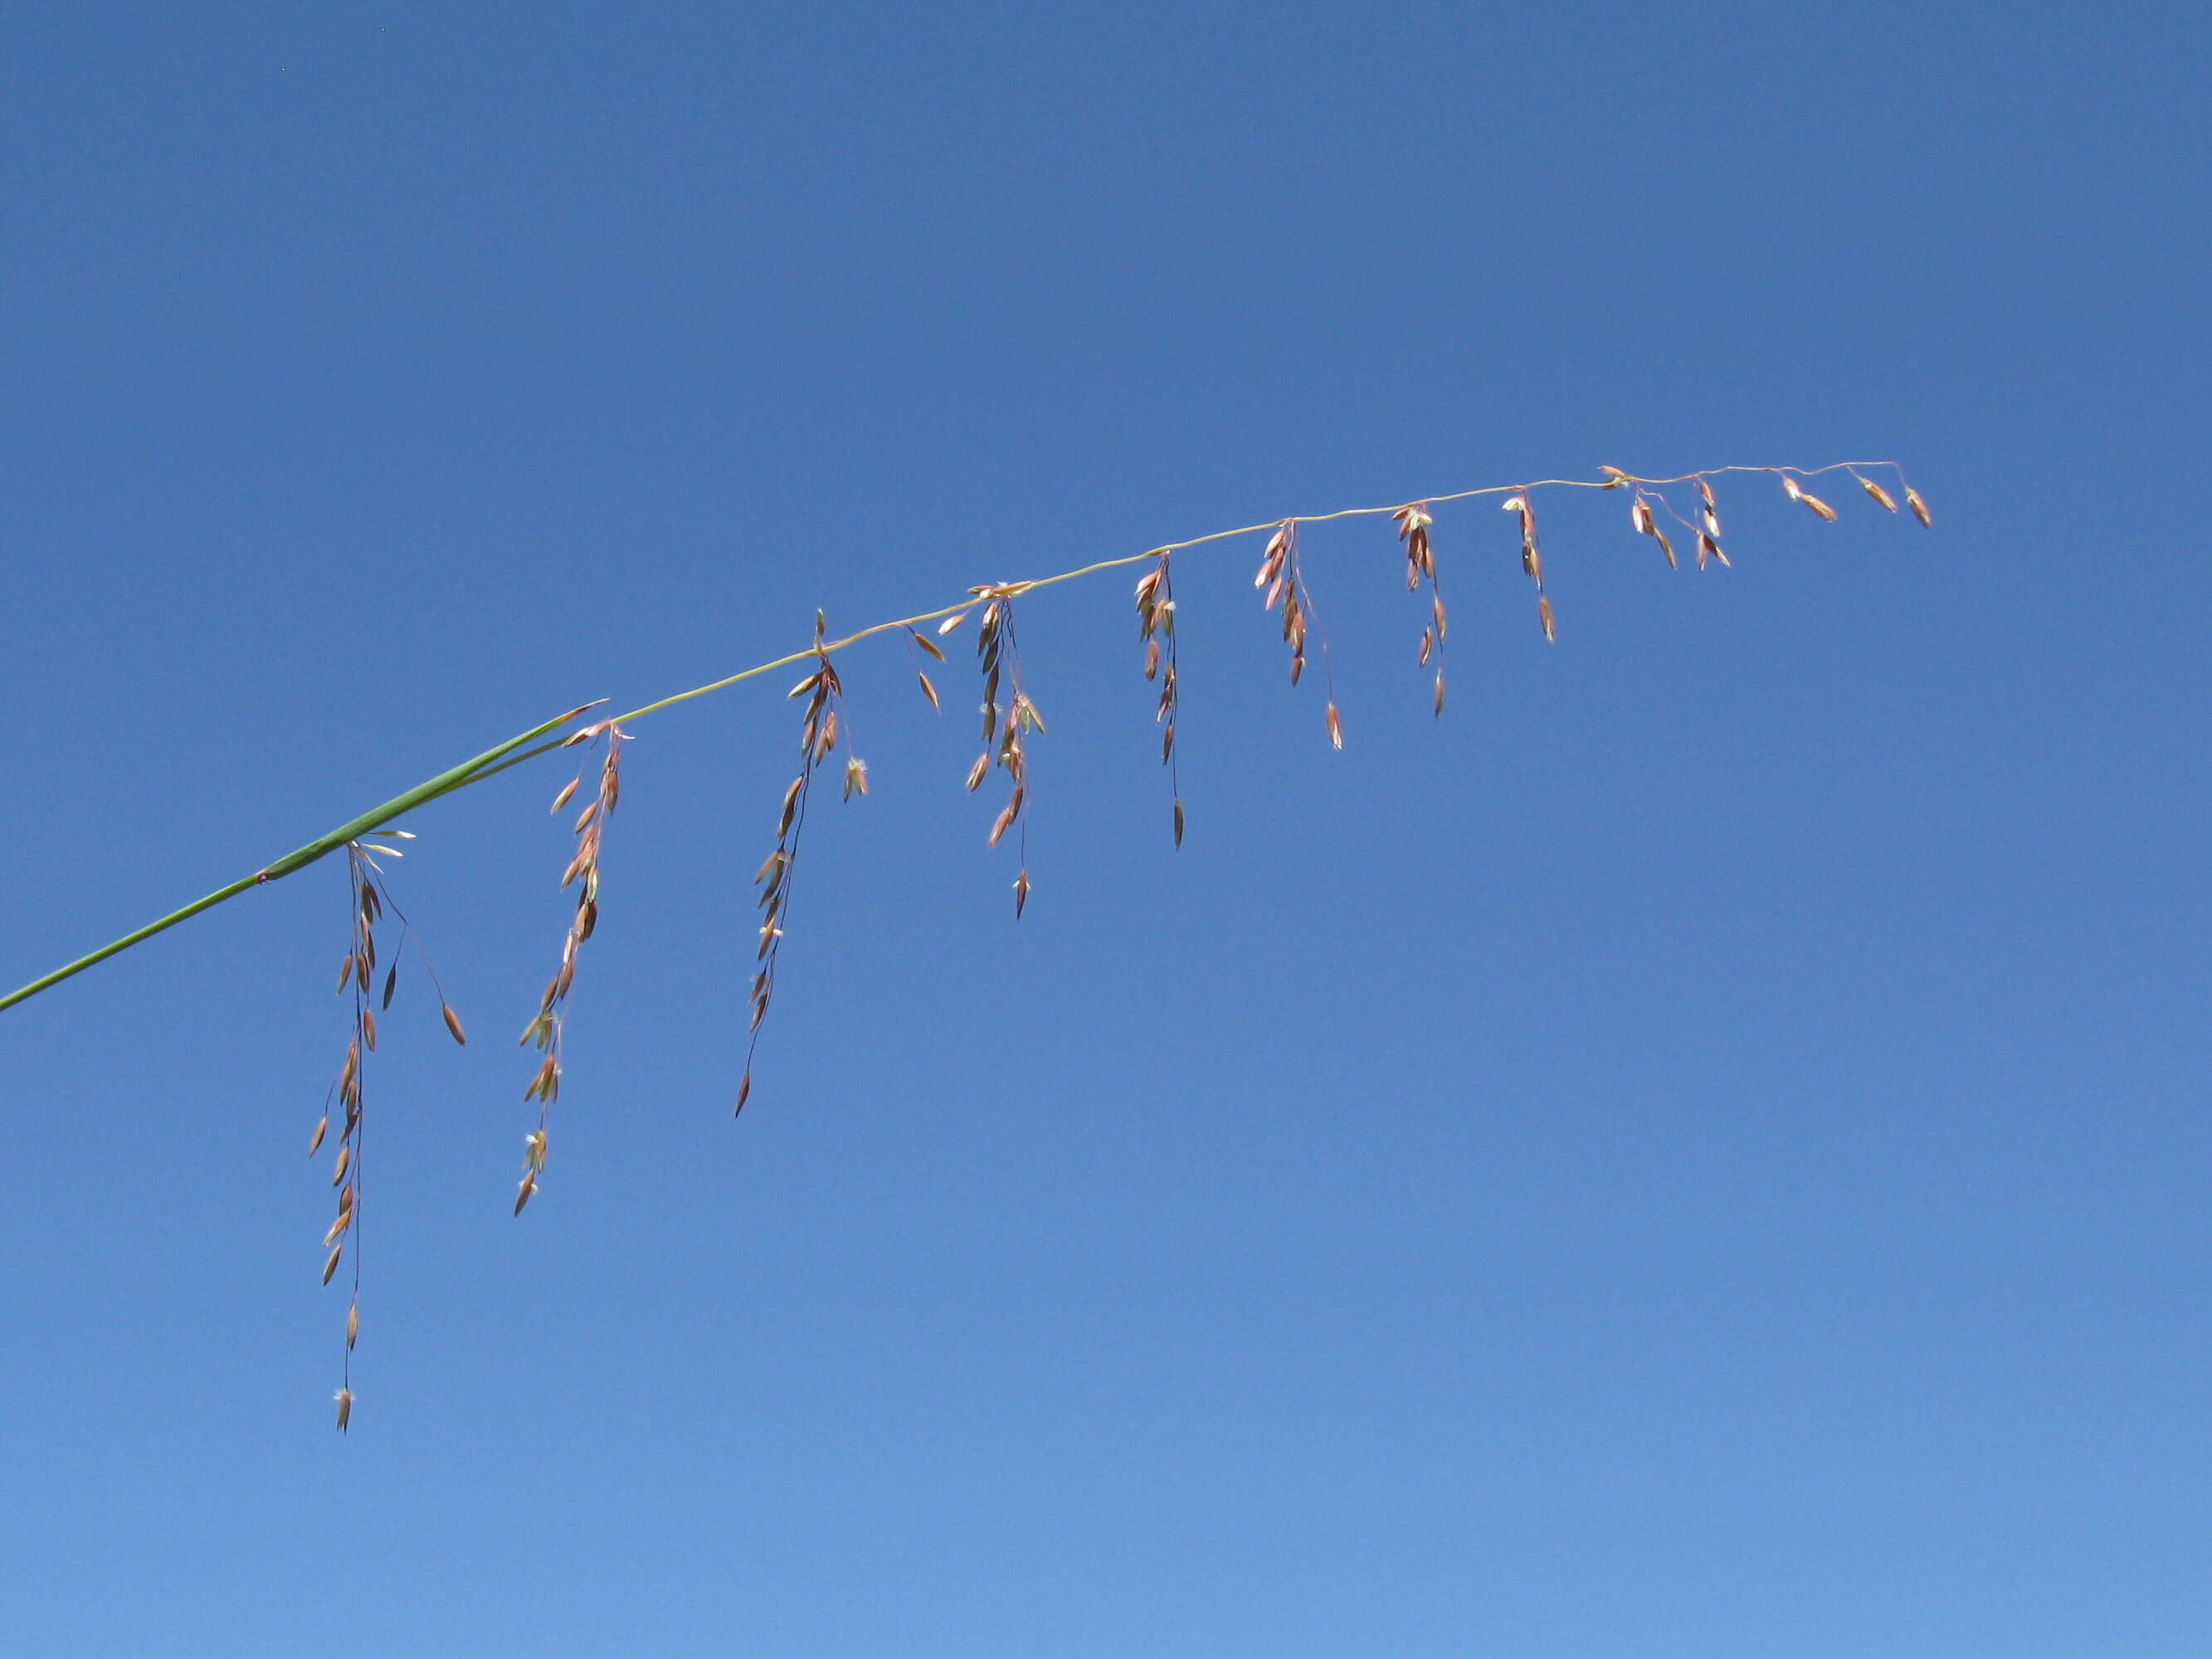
(1009, 721)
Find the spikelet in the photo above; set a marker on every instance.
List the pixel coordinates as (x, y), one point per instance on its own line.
(1883, 498)
(1641, 520)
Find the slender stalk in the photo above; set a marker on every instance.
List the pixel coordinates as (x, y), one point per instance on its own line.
(444, 784)
(494, 761)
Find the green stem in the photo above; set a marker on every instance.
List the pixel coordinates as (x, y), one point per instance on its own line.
(468, 772)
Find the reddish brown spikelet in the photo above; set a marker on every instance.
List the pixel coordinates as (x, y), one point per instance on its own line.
(1544, 617)
(1883, 498)
(1532, 555)
(1335, 726)
(1646, 523)
(1817, 505)
(345, 1408)
(331, 1265)
(1919, 508)
(454, 1024)
(744, 1091)
(1021, 892)
(1413, 523)
(927, 689)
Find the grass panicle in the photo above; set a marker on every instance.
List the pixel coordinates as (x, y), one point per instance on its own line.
(1010, 719)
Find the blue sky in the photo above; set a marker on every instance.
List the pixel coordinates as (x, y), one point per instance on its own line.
(1700, 1152)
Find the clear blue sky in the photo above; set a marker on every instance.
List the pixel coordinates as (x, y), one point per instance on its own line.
(1703, 1153)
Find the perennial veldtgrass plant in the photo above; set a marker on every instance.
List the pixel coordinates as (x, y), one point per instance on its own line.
(1009, 719)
